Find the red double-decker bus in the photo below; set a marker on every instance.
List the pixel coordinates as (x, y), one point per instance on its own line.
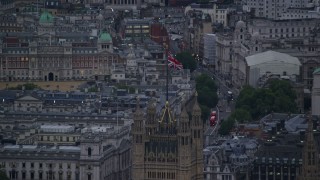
(213, 120)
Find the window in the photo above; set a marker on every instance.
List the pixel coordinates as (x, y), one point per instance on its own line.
(23, 175)
(89, 176)
(60, 175)
(69, 176)
(40, 175)
(89, 153)
(23, 165)
(32, 165)
(40, 164)
(32, 175)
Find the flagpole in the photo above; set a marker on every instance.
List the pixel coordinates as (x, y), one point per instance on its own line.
(167, 66)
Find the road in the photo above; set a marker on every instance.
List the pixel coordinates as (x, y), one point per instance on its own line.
(224, 107)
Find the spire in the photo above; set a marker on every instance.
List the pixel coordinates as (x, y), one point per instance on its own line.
(310, 128)
(184, 115)
(138, 112)
(151, 105)
(196, 107)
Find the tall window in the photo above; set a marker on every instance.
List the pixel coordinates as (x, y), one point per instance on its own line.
(89, 152)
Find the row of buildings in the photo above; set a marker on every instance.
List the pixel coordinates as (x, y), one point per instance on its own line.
(101, 135)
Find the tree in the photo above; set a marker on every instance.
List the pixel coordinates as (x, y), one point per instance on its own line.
(205, 112)
(207, 91)
(207, 95)
(241, 115)
(226, 126)
(187, 61)
(278, 96)
(27, 86)
(3, 176)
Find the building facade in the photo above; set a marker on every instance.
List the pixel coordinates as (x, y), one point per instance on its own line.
(56, 61)
(316, 93)
(166, 147)
(271, 9)
(209, 51)
(296, 38)
(310, 155)
(100, 155)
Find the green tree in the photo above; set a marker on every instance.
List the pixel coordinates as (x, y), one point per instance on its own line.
(207, 95)
(277, 97)
(187, 61)
(27, 86)
(205, 112)
(241, 115)
(3, 176)
(93, 89)
(226, 126)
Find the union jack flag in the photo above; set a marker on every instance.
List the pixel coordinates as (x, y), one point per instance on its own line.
(173, 62)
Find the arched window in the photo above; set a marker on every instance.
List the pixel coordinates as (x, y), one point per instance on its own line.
(89, 151)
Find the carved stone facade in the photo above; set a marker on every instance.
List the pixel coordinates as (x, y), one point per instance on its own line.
(310, 155)
(167, 147)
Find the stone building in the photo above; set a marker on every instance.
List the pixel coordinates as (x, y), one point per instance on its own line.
(52, 57)
(278, 158)
(295, 38)
(272, 9)
(315, 93)
(100, 153)
(166, 146)
(9, 24)
(310, 154)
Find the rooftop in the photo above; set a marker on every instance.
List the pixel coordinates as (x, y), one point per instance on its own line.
(316, 71)
(46, 17)
(269, 56)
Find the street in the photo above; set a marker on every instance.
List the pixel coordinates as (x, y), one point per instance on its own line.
(223, 109)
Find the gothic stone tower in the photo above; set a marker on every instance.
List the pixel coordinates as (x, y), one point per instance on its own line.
(310, 158)
(138, 134)
(168, 147)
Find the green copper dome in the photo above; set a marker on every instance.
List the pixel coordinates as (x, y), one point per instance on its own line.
(316, 71)
(104, 36)
(46, 17)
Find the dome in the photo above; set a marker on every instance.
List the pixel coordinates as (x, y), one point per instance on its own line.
(104, 36)
(240, 24)
(317, 71)
(46, 17)
(255, 35)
